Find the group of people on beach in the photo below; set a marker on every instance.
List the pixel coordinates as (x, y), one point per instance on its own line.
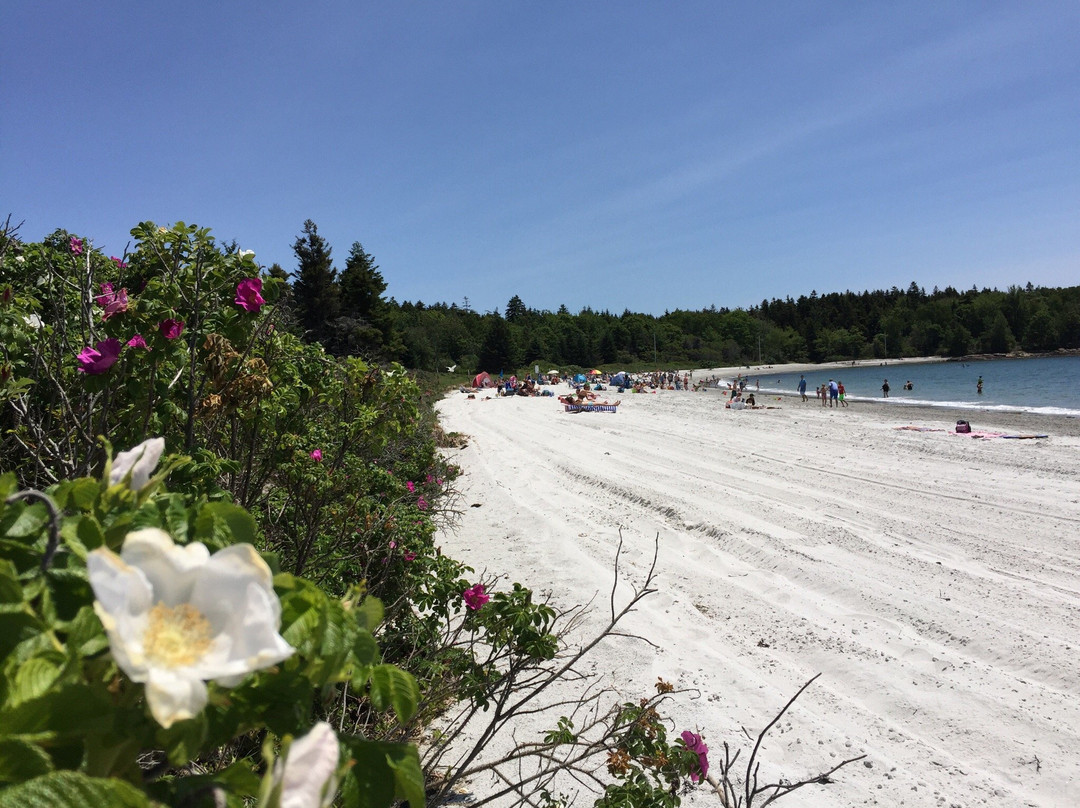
(830, 394)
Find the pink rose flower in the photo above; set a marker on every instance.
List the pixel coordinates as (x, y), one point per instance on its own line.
(475, 597)
(409, 555)
(411, 486)
(422, 504)
(170, 328)
(248, 295)
(696, 745)
(112, 302)
(317, 455)
(99, 358)
(138, 342)
(76, 245)
(120, 264)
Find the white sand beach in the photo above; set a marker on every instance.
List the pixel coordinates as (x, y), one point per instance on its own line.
(933, 579)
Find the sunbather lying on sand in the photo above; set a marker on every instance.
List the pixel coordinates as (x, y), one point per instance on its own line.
(578, 397)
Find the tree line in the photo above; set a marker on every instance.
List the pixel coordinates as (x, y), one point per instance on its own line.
(348, 314)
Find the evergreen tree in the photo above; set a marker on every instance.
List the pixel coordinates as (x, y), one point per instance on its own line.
(315, 292)
(366, 326)
(515, 309)
(497, 351)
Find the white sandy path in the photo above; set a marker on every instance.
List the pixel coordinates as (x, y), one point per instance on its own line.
(933, 580)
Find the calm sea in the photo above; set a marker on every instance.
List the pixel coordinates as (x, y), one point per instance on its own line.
(1048, 386)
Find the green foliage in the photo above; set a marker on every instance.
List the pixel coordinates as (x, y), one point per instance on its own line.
(647, 769)
(366, 327)
(315, 292)
(497, 352)
(72, 726)
(328, 466)
(836, 325)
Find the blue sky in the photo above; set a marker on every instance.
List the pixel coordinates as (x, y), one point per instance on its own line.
(639, 155)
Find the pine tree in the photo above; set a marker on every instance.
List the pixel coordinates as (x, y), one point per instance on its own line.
(315, 291)
(366, 317)
(497, 351)
(515, 309)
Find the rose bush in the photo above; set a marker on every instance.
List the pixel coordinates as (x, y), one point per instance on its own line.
(306, 489)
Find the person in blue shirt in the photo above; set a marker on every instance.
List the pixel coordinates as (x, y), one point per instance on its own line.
(802, 387)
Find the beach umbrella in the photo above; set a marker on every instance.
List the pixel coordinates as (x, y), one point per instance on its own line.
(553, 373)
(580, 377)
(594, 372)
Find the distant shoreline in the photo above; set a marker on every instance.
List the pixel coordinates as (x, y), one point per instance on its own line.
(1059, 425)
(810, 367)
(1013, 420)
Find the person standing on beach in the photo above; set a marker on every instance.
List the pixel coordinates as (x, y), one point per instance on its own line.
(841, 393)
(802, 387)
(885, 389)
(978, 386)
(834, 392)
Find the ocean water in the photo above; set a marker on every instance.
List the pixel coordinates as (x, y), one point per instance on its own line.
(1048, 386)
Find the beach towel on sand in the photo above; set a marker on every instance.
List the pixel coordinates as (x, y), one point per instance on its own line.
(591, 408)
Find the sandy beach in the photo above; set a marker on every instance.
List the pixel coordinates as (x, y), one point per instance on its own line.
(932, 579)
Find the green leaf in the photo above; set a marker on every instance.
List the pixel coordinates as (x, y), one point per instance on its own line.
(8, 485)
(72, 790)
(17, 624)
(175, 515)
(10, 590)
(370, 613)
(365, 650)
(382, 774)
(240, 779)
(68, 711)
(226, 522)
(84, 493)
(69, 535)
(301, 622)
(21, 760)
(408, 776)
(89, 533)
(33, 679)
(393, 687)
(26, 521)
(85, 633)
(69, 590)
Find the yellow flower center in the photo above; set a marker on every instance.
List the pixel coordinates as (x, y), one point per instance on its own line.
(176, 636)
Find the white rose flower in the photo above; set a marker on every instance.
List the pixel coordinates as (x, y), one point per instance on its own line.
(308, 775)
(140, 461)
(177, 617)
(33, 321)
(245, 253)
